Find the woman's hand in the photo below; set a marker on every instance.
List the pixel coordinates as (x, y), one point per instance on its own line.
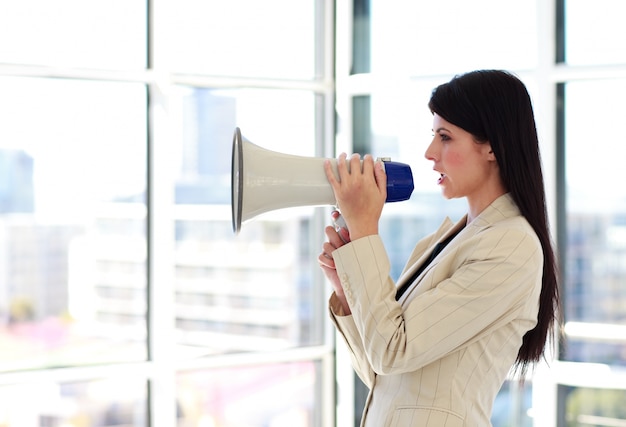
(327, 263)
(360, 192)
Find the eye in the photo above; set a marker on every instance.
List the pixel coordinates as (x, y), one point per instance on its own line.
(444, 137)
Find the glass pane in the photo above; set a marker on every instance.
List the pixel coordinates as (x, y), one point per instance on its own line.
(269, 395)
(253, 291)
(103, 403)
(398, 124)
(583, 407)
(248, 38)
(595, 32)
(107, 34)
(513, 405)
(596, 218)
(435, 37)
(72, 220)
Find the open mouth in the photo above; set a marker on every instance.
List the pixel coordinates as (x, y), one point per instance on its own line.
(441, 178)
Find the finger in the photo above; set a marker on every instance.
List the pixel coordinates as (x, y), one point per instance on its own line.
(330, 174)
(342, 167)
(325, 260)
(368, 165)
(326, 257)
(344, 234)
(331, 275)
(327, 270)
(328, 248)
(381, 177)
(334, 238)
(355, 163)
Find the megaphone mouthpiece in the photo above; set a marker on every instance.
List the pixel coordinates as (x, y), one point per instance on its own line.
(264, 180)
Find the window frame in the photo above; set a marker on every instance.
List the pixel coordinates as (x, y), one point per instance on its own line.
(548, 76)
(159, 370)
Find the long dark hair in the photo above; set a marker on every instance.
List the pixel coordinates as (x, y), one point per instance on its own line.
(495, 107)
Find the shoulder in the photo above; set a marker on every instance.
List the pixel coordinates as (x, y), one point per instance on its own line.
(501, 216)
(501, 228)
(505, 237)
(500, 209)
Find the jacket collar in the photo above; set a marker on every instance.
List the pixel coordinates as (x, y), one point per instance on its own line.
(502, 208)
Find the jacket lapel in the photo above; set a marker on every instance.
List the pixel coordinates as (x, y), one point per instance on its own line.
(422, 252)
(502, 208)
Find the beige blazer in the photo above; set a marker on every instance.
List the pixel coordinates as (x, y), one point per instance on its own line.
(439, 355)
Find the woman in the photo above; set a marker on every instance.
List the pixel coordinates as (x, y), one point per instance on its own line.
(475, 297)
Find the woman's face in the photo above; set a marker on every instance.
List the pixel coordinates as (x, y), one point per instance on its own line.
(466, 168)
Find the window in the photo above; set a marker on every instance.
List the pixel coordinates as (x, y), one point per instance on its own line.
(596, 220)
(110, 35)
(73, 222)
(250, 289)
(125, 296)
(574, 65)
(246, 39)
(593, 34)
(591, 389)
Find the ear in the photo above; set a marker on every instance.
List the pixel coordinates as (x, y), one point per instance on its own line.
(489, 152)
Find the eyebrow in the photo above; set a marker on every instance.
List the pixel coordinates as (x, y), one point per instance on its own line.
(442, 128)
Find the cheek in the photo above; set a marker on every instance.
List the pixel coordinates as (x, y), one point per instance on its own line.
(455, 159)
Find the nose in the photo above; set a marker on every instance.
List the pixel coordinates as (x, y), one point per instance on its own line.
(430, 153)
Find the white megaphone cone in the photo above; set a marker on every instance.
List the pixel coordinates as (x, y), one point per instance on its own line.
(265, 180)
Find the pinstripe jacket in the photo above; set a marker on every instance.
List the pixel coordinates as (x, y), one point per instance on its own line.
(439, 355)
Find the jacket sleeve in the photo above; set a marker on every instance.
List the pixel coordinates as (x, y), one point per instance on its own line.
(487, 283)
(344, 324)
(346, 328)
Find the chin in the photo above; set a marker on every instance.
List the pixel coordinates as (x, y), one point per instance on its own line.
(446, 194)
(449, 195)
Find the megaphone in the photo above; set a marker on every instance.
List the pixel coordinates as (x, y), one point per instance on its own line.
(263, 180)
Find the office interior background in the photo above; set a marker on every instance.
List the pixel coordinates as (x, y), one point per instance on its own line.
(125, 297)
